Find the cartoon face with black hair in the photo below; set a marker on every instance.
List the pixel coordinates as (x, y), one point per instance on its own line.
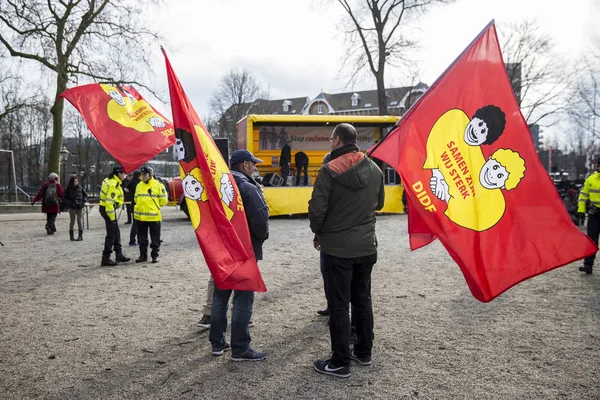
(192, 187)
(486, 126)
(476, 132)
(184, 145)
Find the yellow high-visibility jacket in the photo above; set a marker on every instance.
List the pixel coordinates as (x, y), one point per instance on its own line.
(111, 196)
(149, 198)
(590, 191)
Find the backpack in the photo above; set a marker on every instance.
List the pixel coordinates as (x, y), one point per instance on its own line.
(51, 195)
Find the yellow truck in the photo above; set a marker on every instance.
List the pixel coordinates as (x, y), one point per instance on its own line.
(265, 135)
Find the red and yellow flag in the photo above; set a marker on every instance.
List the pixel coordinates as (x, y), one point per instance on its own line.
(129, 128)
(474, 180)
(213, 199)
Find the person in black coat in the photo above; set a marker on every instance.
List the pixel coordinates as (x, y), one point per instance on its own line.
(285, 160)
(131, 187)
(128, 196)
(74, 199)
(301, 165)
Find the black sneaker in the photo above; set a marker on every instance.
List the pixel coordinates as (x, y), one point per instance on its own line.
(250, 355)
(361, 360)
(204, 322)
(251, 324)
(325, 367)
(586, 268)
(218, 351)
(324, 312)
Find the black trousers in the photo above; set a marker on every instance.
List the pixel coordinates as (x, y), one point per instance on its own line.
(285, 172)
(129, 212)
(299, 169)
(349, 280)
(593, 231)
(154, 228)
(50, 220)
(134, 231)
(113, 235)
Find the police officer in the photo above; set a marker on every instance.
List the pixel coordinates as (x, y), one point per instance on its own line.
(111, 198)
(150, 196)
(591, 192)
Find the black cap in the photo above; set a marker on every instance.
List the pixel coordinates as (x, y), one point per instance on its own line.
(240, 156)
(146, 170)
(118, 169)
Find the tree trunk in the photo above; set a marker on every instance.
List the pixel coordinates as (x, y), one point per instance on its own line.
(381, 97)
(57, 125)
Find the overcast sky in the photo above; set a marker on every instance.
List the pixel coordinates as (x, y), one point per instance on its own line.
(294, 47)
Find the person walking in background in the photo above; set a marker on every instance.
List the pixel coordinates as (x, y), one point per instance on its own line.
(134, 225)
(128, 198)
(51, 194)
(301, 160)
(590, 193)
(150, 196)
(346, 194)
(111, 198)
(74, 199)
(285, 160)
(243, 165)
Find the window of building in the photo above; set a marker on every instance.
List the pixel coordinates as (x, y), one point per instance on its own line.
(355, 99)
(394, 103)
(287, 104)
(368, 105)
(320, 109)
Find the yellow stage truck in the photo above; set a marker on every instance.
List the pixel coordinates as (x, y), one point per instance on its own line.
(265, 135)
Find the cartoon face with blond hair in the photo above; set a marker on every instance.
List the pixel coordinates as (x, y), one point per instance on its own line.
(503, 170)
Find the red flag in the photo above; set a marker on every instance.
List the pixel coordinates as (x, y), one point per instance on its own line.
(474, 180)
(129, 128)
(212, 198)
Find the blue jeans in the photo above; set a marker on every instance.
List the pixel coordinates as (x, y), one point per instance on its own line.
(241, 312)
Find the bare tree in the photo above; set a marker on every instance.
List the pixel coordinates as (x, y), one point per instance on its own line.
(376, 36)
(232, 100)
(94, 40)
(541, 78)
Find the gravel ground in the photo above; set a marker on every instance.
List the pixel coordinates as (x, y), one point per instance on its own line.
(70, 329)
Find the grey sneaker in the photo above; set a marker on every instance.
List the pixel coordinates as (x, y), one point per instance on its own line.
(218, 351)
(361, 360)
(250, 355)
(204, 322)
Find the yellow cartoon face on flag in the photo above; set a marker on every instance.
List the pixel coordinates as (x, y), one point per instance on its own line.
(462, 177)
(128, 109)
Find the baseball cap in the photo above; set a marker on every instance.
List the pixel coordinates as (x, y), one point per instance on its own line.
(146, 170)
(240, 156)
(118, 169)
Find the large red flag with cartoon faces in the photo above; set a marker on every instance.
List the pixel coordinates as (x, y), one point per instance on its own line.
(127, 126)
(474, 181)
(212, 198)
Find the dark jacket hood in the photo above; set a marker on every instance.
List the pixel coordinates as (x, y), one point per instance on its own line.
(351, 170)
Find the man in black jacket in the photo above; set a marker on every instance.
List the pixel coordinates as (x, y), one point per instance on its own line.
(285, 160)
(347, 192)
(131, 188)
(243, 164)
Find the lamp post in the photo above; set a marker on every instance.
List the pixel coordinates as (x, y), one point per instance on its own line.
(64, 156)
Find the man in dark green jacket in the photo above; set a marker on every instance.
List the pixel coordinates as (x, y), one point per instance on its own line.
(346, 194)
